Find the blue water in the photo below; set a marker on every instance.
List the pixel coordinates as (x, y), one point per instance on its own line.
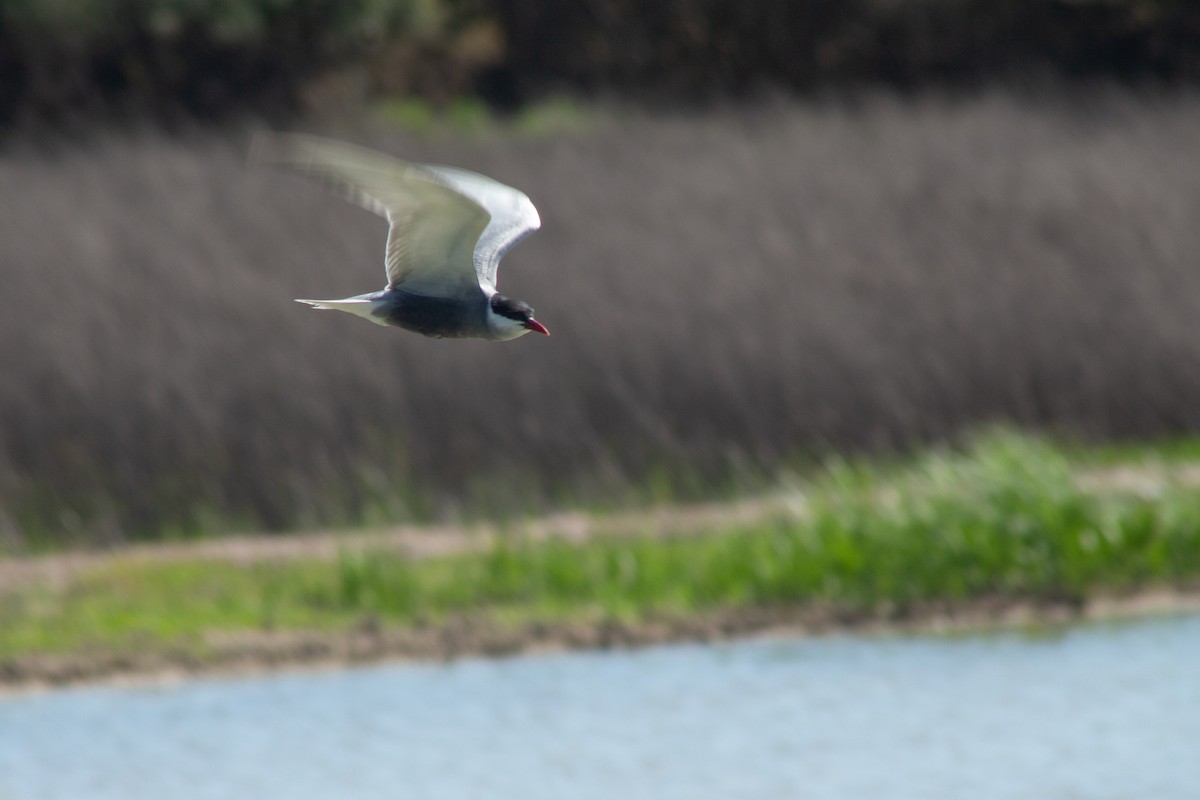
(1098, 712)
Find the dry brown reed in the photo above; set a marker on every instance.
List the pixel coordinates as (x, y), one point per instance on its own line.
(725, 292)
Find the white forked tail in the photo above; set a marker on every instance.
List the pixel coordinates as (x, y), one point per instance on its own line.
(358, 306)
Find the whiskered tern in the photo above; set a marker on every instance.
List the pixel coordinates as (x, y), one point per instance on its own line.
(448, 230)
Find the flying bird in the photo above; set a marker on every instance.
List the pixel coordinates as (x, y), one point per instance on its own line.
(448, 230)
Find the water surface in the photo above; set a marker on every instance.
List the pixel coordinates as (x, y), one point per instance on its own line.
(1098, 712)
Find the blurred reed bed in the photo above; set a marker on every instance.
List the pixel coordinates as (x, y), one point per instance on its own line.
(727, 293)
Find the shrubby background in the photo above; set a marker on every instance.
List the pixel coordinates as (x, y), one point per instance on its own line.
(772, 231)
(171, 60)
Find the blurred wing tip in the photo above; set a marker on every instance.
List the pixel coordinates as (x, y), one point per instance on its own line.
(272, 149)
(264, 149)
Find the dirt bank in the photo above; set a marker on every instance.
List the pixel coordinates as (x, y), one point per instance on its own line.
(253, 652)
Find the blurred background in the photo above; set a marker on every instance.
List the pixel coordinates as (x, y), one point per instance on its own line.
(898, 297)
(771, 231)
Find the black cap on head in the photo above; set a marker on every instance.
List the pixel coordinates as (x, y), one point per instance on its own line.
(513, 309)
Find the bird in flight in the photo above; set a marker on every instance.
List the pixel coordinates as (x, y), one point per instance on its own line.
(448, 230)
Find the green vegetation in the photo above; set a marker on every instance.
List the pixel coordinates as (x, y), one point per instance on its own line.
(469, 116)
(1003, 521)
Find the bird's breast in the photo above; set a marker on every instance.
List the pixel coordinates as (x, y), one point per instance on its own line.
(439, 317)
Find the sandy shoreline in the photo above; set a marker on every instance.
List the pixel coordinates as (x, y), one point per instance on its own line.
(429, 541)
(263, 652)
(414, 541)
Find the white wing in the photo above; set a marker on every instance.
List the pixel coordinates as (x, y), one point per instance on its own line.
(449, 227)
(513, 216)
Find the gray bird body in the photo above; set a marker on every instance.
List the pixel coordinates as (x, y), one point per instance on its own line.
(448, 230)
(461, 317)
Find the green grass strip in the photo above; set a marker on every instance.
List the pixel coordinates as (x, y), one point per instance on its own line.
(1004, 519)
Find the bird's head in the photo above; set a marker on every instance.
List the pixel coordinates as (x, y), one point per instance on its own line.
(510, 318)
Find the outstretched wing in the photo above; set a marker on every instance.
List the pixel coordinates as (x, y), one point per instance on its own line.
(434, 225)
(513, 216)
